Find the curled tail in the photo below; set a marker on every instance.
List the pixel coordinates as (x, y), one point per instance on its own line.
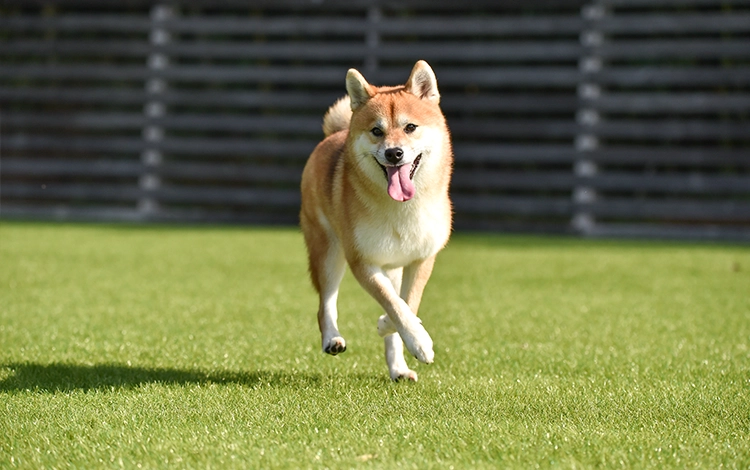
(338, 116)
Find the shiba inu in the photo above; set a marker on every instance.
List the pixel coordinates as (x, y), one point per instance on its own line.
(375, 196)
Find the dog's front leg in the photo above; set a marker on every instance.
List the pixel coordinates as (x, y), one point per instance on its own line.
(394, 346)
(414, 280)
(377, 283)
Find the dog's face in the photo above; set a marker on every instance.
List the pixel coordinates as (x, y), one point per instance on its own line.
(396, 131)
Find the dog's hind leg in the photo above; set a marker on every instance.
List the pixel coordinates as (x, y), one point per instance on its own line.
(334, 266)
(327, 265)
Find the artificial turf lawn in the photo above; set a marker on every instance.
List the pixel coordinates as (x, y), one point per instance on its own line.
(198, 348)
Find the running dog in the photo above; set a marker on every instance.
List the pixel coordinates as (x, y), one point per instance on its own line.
(375, 197)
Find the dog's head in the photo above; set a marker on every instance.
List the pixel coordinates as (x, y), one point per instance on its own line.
(397, 133)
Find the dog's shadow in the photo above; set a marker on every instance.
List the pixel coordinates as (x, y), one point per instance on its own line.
(62, 377)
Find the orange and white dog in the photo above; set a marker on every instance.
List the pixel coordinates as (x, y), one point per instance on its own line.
(375, 196)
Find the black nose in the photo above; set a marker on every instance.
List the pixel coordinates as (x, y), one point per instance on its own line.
(394, 155)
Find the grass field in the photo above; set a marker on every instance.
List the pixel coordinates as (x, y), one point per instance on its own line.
(198, 348)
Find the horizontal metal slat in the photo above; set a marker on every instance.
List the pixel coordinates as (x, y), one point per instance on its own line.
(540, 180)
(670, 75)
(288, 124)
(468, 51)
(476, 51)
(275, 99)
(70, 212)
(216, 195)
(201, 49)
(65, 212)
(49, 167)
(514, 128)
(674, 156)
(123, 22)
(673, 3)
(293, 50)
(285, 149)
(473, 153)
(43, 142)
(693, 183)
(484, 204)
(481, 180)
(88, 193)
(670, 102)
(660, 23)
(513, 224)
(286, 25)
(234, 6)
(89, 47)
(510, 102)
(293, 124)
(120, 193)
(229, 172)
(695, 210)
(652, 49)
(92, 121)
(192, 98)
(486, 25)
(671, 231)
(667, 129)
(318, 75)
(128, 23)
(233, 215)
(56, 167)
(56, 95)
(75, 72)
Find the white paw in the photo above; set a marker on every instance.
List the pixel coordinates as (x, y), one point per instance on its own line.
(334, 345)
(403, 374)
(418, 341)
(385, 326)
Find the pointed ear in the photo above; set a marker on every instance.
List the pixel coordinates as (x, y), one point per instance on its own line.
(422, 82)
(358, 89)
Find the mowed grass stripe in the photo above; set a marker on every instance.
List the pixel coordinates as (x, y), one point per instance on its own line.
(198, 347)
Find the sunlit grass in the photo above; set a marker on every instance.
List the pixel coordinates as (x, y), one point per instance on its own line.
(198, 348)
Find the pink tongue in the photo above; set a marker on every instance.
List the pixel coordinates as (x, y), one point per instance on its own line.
(400, 187)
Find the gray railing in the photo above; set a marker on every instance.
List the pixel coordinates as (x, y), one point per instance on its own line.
(598, 117)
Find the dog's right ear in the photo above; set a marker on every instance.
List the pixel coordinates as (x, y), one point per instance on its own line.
(358, 89)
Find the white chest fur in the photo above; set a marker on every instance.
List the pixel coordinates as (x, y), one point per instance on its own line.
(403, 233)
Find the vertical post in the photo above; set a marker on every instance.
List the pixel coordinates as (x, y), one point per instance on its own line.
(372, 41)
(154, 109)
(588, 118)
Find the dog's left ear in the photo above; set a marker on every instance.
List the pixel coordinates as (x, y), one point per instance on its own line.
(422, 82)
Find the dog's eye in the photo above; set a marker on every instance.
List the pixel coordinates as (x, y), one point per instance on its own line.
(377, 132)
(410, 128)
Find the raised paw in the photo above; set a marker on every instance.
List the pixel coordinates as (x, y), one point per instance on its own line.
(418, 341)
(385, 326)
(335, 345)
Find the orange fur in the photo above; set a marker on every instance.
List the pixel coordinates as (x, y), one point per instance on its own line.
(349, 213)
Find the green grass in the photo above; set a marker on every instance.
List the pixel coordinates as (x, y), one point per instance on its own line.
(198, 348)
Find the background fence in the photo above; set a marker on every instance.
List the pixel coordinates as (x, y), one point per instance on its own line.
(603, 118)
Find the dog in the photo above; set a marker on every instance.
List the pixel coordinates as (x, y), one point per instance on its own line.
(375, 197)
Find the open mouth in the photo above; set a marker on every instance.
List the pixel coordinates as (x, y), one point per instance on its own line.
(414, 166)
(399, 180)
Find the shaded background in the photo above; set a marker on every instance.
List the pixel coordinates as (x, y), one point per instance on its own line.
(598, 118)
